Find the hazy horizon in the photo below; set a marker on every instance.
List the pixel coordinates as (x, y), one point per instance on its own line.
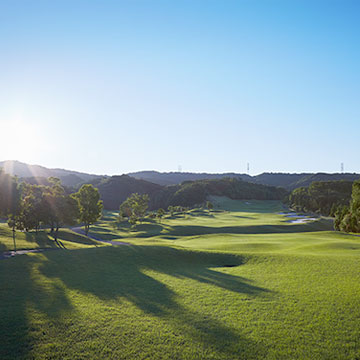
(177, 171)
(114, 87)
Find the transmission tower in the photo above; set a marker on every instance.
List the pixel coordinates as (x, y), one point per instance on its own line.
(342, 168)
(248, 168)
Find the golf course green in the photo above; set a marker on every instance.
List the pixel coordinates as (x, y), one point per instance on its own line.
(238, 282)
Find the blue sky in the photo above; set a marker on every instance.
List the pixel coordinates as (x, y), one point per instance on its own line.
(118, 86)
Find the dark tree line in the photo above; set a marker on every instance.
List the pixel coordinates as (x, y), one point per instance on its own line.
(30, 207)
(195, 193)
(134, 209)
(323, 197)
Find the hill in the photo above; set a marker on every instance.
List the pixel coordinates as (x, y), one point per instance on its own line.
(293, 181)
(72, 178)
(115, 189)
(191, 193)
(173, 178)
(31, 172)
(287, 181)
(321, 196)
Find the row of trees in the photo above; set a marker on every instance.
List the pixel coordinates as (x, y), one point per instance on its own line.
(30, 207)
(347, 218)
(135, 206)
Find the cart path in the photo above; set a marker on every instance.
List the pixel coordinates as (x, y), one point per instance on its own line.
(9, 254)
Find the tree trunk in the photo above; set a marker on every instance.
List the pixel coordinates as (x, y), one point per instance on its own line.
(56, 234)
(14, 239)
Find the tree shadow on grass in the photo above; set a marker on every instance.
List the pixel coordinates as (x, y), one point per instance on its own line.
(22, 292)
(3, 248)
(147, 230)
(35, 285)
(42, 239)
(243, 217)
(190, 230)
(123, 273)
(76, 238)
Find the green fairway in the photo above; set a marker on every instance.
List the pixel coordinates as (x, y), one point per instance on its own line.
(239, 282)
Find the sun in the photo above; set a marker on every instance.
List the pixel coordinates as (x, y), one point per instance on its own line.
(20, 140)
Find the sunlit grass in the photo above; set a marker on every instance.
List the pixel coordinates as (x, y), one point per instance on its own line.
(235, 284)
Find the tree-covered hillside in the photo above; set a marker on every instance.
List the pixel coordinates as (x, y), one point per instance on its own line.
(192, 193)
(285, 180)
(323, 197)
(116, 189)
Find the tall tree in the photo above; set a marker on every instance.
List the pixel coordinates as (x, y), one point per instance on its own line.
(90, 205)
(9, 191)
(32, 211)
(62, 209)
(14, 211)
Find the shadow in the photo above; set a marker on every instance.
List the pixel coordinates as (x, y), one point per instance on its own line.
(243, 217)
(42, 239)
(104, 236)
(92, 236)
(76, 238)
(100, 228)
(60, 244)
(148, 229)
(189, 230)
(23, 291)
(124, 273)
(3, 248)
(172, 232)
(149, 220)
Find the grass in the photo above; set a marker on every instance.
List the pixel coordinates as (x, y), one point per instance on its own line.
(67, 239)
(235, 283)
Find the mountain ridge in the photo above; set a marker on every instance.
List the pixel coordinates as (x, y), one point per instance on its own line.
(289, 181)
(68, 177)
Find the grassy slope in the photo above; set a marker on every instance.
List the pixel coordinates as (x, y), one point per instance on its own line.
(67, 239)
(292, 295)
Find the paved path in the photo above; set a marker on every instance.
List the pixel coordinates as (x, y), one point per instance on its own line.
(80, 231)
(9, 254)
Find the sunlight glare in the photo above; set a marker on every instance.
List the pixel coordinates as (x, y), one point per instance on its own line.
(20, 141)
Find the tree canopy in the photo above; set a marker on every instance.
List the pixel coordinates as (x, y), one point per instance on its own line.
(90, 205)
